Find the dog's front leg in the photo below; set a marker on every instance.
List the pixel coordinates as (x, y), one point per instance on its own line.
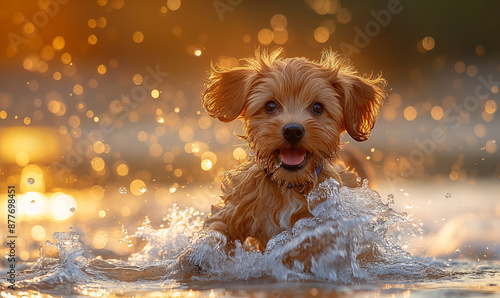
(207, 251)
(210, 247)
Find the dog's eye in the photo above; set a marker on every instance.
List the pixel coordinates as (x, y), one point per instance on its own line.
(271, 107)
(317, 108)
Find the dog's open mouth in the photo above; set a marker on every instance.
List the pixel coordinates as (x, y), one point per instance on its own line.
(293, 158)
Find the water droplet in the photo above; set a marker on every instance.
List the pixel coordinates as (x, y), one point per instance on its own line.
(358, 181)
(31, 180)
(365, 183)
(390, 199)
(448, 195)
(122, 190)
(142, 189)
(72, 210)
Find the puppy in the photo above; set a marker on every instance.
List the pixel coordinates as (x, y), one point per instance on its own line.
(294, 111)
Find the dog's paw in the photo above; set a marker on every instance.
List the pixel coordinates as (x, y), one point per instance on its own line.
(188, 263)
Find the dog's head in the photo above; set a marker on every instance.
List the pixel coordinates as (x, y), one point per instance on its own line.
(294, 109)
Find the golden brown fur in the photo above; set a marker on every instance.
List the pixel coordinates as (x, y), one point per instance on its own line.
(257, 201)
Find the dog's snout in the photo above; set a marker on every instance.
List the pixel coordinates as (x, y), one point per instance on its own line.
(293, 132)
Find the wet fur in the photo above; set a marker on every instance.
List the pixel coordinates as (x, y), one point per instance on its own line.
(256, 202)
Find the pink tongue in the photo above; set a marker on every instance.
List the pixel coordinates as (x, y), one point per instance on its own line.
(292, 157)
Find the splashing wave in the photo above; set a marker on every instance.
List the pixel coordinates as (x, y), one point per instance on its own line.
(349, 239)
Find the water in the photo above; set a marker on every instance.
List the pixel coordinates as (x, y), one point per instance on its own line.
(353, 245)
(122, 190)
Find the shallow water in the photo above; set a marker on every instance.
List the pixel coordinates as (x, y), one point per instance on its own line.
(353, 245)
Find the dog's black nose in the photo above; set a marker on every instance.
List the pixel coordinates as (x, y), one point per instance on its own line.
(293, 132)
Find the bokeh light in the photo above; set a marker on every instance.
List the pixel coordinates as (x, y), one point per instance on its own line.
(101, 69)
(490, 106)
(122, 169)
(437, 113)
(265, 36)
(279, 22)
(97, 164)
(206, 165)
(58, 43)
(428, 43)
(344, 15)
(155, 93)
(100, 239)
(239, 154)
(61, 206)
(137, 187)
(33, 204)
(138, 37)
(92, 23)
(321, 34)
(102, 213)
(38, 233)
(92, 39)
(410, 113)
(173, 4)
(491, 146)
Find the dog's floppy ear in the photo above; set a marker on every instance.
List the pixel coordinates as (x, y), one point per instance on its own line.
(362, 99)
(226, 92)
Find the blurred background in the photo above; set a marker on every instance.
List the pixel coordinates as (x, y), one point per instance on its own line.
(101, 124)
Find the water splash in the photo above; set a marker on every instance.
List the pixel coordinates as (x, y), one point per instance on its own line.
(348, 237)
(351, 237)
(122, 190)
(168, 242)
(64, 272)
(390, 199)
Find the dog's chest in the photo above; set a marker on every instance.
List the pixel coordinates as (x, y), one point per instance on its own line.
(293, 203)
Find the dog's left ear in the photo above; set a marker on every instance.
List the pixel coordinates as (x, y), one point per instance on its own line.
(362, 99)
(226, 92)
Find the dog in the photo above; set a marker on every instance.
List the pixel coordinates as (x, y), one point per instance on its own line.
(295, 111)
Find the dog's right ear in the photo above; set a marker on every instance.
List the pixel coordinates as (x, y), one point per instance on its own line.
(226, 92)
